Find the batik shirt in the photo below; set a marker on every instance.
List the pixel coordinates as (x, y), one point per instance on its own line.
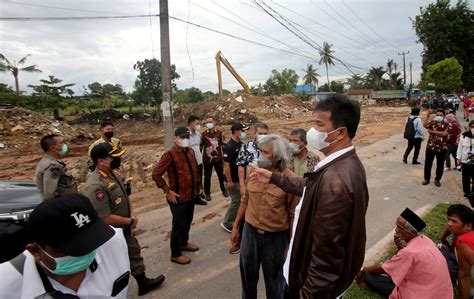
(438, 143)
(248, 153)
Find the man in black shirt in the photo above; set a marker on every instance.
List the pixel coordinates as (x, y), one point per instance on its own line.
(231, 152)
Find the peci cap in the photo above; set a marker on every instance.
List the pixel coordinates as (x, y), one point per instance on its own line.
(182, 132)
(238, 127)
(413, 219)
(69, 223)
(105, 149)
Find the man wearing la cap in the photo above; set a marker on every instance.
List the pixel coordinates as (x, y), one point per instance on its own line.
(183, 187)
(70, 252)
(418, 270)
(107, 193)
(52, 176)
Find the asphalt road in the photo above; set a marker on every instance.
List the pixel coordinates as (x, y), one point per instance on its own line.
(214, 273)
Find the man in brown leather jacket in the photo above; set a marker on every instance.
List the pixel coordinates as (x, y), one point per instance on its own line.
(327, 244)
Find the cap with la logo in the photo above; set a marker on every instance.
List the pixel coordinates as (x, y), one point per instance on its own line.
(69, 223)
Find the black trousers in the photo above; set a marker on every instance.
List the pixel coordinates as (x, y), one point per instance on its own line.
(467, 172)
(267, 249)
(413, 143)
(219, 168)
(200, 171)
(183, 213)
(382, 284)
(452, 149)
(429, 158)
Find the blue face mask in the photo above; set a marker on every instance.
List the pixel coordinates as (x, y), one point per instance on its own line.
(67, 265)
(243, 135)
(263, 162)
(64, 150)
(438, 118)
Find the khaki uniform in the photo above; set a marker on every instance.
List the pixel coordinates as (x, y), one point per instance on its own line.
(53, 178)
(90, 163)
(108, 196)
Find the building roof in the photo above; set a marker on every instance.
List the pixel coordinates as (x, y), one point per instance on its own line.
(304, 88)
(360, 92)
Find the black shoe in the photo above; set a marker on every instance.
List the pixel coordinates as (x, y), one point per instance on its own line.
(225, 193)
(208, 197)
(405, 161)
(148, 284)
(416, 163)
(201, 202)
(425, 182)
(437, 183)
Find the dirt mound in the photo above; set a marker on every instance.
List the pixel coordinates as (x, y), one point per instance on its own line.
(246, 108)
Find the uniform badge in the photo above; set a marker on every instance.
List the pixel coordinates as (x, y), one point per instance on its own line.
(100, 195)
(118, 200)
(55, 173)
(111, 185)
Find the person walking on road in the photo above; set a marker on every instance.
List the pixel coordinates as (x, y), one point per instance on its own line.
(212, 144)
(414, 134)
(106, 191)
(453, 139)
(231, 152)
(438, 130)
(184, 185)
(465, 156)
(269, 213)
(194, 127)
(327, 245)
(52, 175)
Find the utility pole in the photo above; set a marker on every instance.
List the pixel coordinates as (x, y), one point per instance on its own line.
(404, 71)
(411, 76)
(166, 105)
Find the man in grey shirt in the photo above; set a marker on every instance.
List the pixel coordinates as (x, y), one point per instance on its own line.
(52, 176)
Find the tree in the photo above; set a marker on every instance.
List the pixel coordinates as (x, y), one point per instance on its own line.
(374, 77)
(391, 67)
(446, 75)
(447, 31)
(311, 76)
(189, 95)
(335, 86)
(4, 88)
(326, 54)
(51, 93)
(281, 82)
(148, 83)
(357, 81)
(14, 68)
(395, 81)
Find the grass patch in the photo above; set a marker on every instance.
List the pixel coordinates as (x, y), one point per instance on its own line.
(435, 224)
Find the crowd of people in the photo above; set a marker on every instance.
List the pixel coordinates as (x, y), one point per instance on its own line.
(297, 213)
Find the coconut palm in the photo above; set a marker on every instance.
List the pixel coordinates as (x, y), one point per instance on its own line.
(326, 54)
(311, 76)
(374, 76)
(15, 68)
(390, 67)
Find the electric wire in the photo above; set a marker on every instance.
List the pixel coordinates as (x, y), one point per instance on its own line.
(58, 7)
(151, 30)
(187, 45)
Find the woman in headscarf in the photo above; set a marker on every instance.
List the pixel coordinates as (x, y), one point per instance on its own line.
(453, 139)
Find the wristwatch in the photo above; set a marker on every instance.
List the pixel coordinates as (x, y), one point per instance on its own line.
(132, 221)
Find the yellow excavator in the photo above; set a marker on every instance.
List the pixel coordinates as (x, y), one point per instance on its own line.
(220, 58)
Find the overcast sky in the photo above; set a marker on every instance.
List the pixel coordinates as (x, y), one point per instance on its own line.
(364, 34)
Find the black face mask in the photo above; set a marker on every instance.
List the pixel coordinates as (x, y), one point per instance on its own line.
(109, 134)
(115, 164)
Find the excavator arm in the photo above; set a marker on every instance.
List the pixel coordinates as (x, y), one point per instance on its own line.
(220, 58)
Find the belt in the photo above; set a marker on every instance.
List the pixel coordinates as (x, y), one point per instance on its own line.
(261, 232)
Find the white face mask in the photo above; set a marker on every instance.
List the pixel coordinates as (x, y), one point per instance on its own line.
(197, 127)
(184, 142)
(210, 126)
(294, 148)
(472, 131)
(316, 139)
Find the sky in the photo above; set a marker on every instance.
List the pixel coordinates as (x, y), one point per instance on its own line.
(363, 34)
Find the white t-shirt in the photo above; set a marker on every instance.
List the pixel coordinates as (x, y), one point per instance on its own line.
(112, 262)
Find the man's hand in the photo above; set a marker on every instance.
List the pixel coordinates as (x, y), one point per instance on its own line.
(243, 189)
(135, 222)
(171, 196)
(230, 185)
(234, 236)
(260, 174)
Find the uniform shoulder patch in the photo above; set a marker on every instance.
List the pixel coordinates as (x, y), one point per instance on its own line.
(100, 195)
(55, 172)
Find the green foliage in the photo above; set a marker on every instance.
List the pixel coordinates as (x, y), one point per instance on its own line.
(148, 83)
(4, 88)
(258, 90)
(445, 74)
(357, 81)
(310, 76)
(280, 83)
(335, 86)
(50, 94)
(374, 77)
(447, 31)
(435, 225)
(326, 58)
(189, 95)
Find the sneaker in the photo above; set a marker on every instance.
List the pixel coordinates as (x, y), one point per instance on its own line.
(201, 202)
(208, 197)
(190, 247)
(458, 167)
(425, 182)
(225, 228)
(416, 163)
(447, 168)
(182, 260)
(437, 183)
(225, 193)
(235, 248)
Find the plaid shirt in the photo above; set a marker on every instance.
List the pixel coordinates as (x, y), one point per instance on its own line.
(248, 153)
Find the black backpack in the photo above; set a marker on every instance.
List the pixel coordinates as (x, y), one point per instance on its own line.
(410, 129)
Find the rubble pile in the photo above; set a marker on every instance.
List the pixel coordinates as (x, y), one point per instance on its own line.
(246, 108)
(112, 115)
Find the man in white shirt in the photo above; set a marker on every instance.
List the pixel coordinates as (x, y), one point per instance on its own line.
(194, 126)
(70, 253)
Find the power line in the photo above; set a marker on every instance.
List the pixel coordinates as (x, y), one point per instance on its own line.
(187, 46)
(151, 30)
(62, 8)
(75, 18)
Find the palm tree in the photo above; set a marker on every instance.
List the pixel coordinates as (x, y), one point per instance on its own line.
(326, 54)
(390, 66)
(311, 76)
(375, 76)
(15, 68)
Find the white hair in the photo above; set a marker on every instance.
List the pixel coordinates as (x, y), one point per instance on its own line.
(279, 148)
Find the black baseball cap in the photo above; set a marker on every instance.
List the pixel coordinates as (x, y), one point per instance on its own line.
(105, 149)
(413, 219)
(182, 132)
(238, 126)
(69, 223)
